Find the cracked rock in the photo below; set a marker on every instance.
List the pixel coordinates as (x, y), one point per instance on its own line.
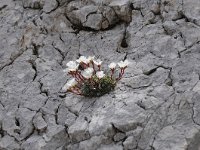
(9, 125)
(39, 122)
(65, 117)
(50, 5)
(34, 142)
(8, 142)
(25, 117)
(34, 4)
(191, 10)
(93, 143)
(35, 103)
(122, 9)
(93, 17)
(111, 147)
(130, 143)
(179, 142)
(79, 131)
(155, 106)
(94, 21)
(50, 107)
(55, 137)
(98, 17)
(119, 136)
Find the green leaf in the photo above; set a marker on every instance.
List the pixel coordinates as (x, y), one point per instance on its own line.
(98, 87)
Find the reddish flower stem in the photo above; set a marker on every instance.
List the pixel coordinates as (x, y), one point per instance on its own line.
(80, 76)
(75, 91)
(99, 66)
(121, 74)
(83, 65)
(112, 73)
(93, 67)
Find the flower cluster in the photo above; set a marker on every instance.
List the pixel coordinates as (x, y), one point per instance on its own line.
(89, 79)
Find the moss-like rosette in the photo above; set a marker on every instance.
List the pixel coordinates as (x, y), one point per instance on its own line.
(97, 87)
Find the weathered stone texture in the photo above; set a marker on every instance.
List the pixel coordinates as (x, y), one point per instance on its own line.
(156, 106)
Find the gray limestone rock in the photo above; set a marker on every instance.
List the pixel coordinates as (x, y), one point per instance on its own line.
(65, 117)
(8, 142)
(122, 9)
(9, 126)
(93, 143)
(50, 107)
(34, 142)
(50, 5)
(25, 117)
(191, 11)
(55, 137)
(39, 122)
(34, 4)
(130, 143)
(79, 131)
(98, 17)
(111, 147)
(91, 16)
(119, 136)
(35, 103)
(155, 105)
(94, 21)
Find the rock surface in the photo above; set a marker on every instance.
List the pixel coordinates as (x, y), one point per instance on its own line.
(154, 107)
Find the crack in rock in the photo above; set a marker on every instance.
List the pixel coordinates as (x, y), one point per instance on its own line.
(155, 106)
(97, 18)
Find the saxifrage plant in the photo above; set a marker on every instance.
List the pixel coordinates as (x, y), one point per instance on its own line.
(88, 78)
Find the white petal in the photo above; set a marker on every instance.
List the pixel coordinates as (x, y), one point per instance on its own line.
(100, 74)
(69, 84)
(126, 62)
(91, 58)
(65, 87)
(72, 82)
(120, 64)
(112, 65)
(87, 73)
(123, 64)
(81, 59)
(97, 62)
(72, 66)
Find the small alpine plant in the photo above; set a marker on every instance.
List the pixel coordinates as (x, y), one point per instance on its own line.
(89, 79)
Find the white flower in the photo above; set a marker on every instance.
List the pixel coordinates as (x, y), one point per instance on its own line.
(87, 73)
(123, 64)
(100, 74)
(112, 65)
(97, 62)
(72, 66)
(71, 83)
(83, 59)
(91, 58)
